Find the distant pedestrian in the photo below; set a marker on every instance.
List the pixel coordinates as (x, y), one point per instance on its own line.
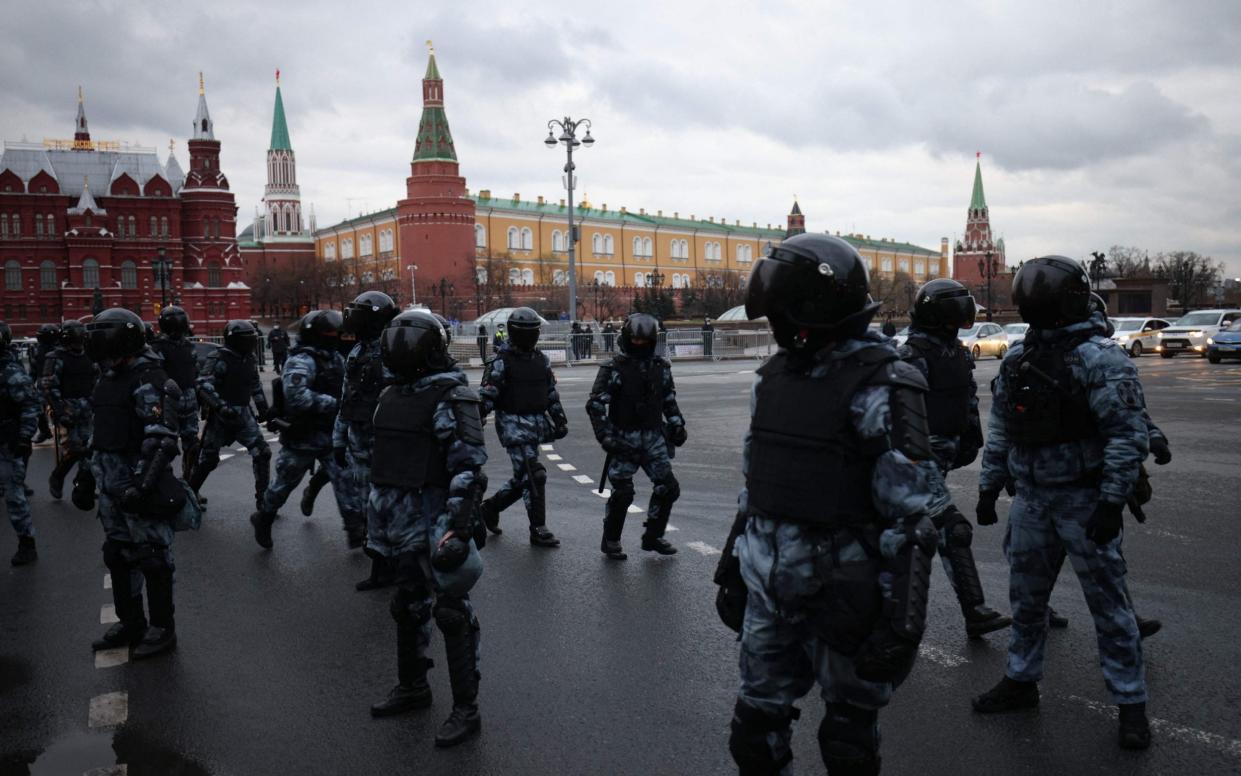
(575, 340)
(278, 341)
(889, 328)
(588, 341)
(500, 337)
(481, 339)
(609, 336)
(708, 337)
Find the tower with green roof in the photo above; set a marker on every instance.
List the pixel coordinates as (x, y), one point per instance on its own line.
(282, 198)
(977, 246)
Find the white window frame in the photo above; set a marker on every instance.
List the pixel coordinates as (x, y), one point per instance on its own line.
(639, 280)
(609, 245)
(480, 236)
(514, 239)
(527, 277)
(527, 239)
(329, 251)
(346, 248)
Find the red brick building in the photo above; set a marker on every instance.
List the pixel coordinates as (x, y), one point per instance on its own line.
(83, 219)
(976, 250)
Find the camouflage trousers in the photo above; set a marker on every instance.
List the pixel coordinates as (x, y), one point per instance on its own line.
(647, 450)
(293, 463)
(519, 485)
(219, 434)
(357, 479)
(1045, 524)
(75, 435)
(405, 520)
(798, 630)
(187, 415)
(13, 481)
(114, 473)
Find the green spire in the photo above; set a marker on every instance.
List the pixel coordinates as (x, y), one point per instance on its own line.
(978, 201)
(434, 141)
(433, 72)
(279, 128)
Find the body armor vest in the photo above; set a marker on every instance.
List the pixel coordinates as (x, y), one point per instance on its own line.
(527, 382)
(178, 361)
(10, 414)
(118, 428)
(406, 453)
(638, 405)
(950, 378)
(364, 381)
(1045, 406)
(238, 381)
(807, 464)
(77, 375)
(329, 379)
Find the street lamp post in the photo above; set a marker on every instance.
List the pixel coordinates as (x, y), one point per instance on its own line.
(446, 289)
(568, 136)
(1098, 266)
(413, 288)
(986, 268)
(162, 267)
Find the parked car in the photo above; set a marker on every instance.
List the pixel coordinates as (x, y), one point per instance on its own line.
(1015, 332)
(1190, 332)
(901, 336)
(1225, 344)
(985, 339)
(1138, 335)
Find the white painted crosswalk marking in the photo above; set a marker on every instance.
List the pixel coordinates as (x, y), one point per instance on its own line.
(225, 456)
(546, 448)
(583, 479)
(107, 658)
(703, 547)
(107, 614)
(605, 493)
(109, 710)
(554, 457)
(567, 467)
(107, 581)
(634, 509)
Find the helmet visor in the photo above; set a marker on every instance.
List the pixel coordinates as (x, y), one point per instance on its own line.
(766, 281)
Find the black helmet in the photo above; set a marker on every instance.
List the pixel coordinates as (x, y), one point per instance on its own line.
(367, 315)
(114, 333)
(320, 329)
(6, 335)
(447, 328)
(48, 334)
(1051, 292)
(943, 305)
(73, 334)
(414, 344)
(638, 335)
(241, 337)
(523, 328)
(1098, 304)
(173, 321)
(808, 285)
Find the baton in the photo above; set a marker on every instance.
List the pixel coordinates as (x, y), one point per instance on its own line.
(603, 477)
(51, 420)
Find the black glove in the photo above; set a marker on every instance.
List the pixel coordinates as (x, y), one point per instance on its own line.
(228, 414)
(1105, 523)
(731, 598)
(885, 656)
(1010, 487)
(131, 499)
(985, 511)
(1159, 447)
(261, 413)
(341, 456)
(451, 552)
(560, 432)
(21, 448)
(610, 444)
(677, 434)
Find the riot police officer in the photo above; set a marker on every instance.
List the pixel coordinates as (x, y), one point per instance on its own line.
(311, 385)
(181, 364)
(68, 380)
(826, 570)
(520, 388)
(227, 382)
(19, 413)
(633, 411)
(133, 445)
(427, 474)
(46, 340)
(941, 309)
(353, 436)
(1068, 426)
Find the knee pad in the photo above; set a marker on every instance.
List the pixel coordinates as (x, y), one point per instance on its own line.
(668, 490)
(748, 742)
(957, 530)
(622, 489)
(451, 616)
(113, 558)
(264, 453)
(208, 458)
(539, 473)
(409, 606)
(849, 739)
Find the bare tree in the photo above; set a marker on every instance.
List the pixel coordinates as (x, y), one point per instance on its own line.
(1126, 261)
(1190, 275)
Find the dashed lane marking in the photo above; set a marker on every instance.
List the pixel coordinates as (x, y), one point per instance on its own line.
(567, 467)
(671, 528)
(605, 493)
(940, 656)
(1189, 735)
(634, 509)
(109, 710)
(703, 548)
(583, 479)
(225, 456)
(107, 581)
(554, 457)
(107, 614)
(546, 448)
(107, 658)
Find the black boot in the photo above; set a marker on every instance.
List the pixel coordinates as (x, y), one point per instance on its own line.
(128, 604)
(262, 478)
(491, 516)
(1008, 695)
(156, 641)
(189, 456)
(1135, 730)
(317, 481)
(262, 528)
(56, 480)
(613, 525)
(355, 531)
(981, 619)
(540, 536)
(653, 537)
(1148, 628)
(1056, 619)
(382, 574)
(26, 551)
(161, 637)
(412, 690)
(464, 722)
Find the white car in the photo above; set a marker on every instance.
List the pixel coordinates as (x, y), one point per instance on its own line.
(1015, 332)
(1190, 332)
(901, 336)
(985, 339)
(1138, 335)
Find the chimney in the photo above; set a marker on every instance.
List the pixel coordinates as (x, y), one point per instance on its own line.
(540, 199)
(604, 207)
(661, 213)
(711, 219)
(623, 210)
(562, 201)
(517, 196)
(484, 194)
(675, 214)
(641, 211)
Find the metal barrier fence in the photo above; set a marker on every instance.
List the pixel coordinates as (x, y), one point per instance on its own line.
(675, 345)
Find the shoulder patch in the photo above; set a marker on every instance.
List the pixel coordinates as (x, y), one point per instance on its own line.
(463, 393)
(902, 374)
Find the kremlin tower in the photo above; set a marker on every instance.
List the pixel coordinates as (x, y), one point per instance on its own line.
(976, 248)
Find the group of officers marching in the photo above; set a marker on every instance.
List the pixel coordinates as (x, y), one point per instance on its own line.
(826, 571)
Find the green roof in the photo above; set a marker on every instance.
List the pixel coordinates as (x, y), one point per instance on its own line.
(279, 127)
(433, 72)
(978, 201)
(434, 141)
(890, 246)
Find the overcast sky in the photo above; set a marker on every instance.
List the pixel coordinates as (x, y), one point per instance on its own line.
(1099, 122)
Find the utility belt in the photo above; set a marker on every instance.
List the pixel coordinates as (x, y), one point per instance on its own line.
(1090, 479)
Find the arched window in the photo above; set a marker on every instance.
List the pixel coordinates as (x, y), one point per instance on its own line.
(514, 276)
(47, 276)
(480, 275)
(527, 277)
(599, 276)
(596, 243)
(514, 239)
(129, 274)
(346, 248)
(609, 278)
(648, 247)
(527, 240)
(51, 225)
(365, 245)
(368, 277)
(17, 225)
(120, 226)
(904, 265)
(676, 280)
(608, 245)
(154, 226)
(885, 263)
(213, 275)
(637, 246)
(639, 279)
(38, 225)
(133, 226)
(163, 226)
(919, 268)
(559, 278)
(557, 241)
(90, 273)
(329, 251)
(480, 236)
(12, 275)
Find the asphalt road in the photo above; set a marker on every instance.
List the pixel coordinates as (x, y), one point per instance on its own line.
(591, 666)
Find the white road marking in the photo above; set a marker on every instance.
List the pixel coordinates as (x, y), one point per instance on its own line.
(671, 527)
(107, 614)
(703, 548)
(239, 448)
(225, 456)
(1229, 746)
(109, 709)
(635, 510)
(605, 493)
(941, 657)
(107, 658)
(109, 770)
(546, 448)
(107, 581)
(583, 479)
(554, 457)
(567, 467)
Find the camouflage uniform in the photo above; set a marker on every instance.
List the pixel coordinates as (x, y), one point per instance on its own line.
(1058, 487)
(67, 381)
(646, 448)
(219, 388)
(521, 432)
(356, 434)
(38, 360)
(312, 410)
(181, 363)
(18, 423)
(800, 628)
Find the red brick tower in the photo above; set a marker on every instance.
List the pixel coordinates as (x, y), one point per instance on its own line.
(977, 244)
(436, 218)
(796, 221)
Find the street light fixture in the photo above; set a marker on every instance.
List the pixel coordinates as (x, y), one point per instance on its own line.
(568, 137)
(163, 265)
(413, 289)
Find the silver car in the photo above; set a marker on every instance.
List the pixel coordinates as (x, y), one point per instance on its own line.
(1190, 332)
(985, 339)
